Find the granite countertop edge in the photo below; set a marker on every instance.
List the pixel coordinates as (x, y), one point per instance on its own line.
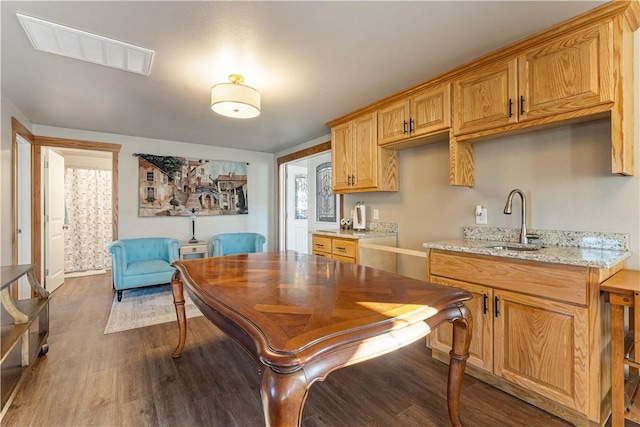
(587, 257)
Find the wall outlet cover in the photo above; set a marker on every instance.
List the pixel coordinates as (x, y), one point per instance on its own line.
(482, 218)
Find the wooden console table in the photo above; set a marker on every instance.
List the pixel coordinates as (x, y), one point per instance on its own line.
(24, 321)
(623, 291)
(302, 317)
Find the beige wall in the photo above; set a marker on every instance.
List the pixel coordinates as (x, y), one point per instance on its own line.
(261, 185)
(564, 172)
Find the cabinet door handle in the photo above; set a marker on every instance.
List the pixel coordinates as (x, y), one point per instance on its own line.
(510, 107)
(495, 306)
(521, 104)
(411, 130)
(340, 248)
(348, 180)
(319, 245)
(484, 304)
(353, 180)
(405, 126)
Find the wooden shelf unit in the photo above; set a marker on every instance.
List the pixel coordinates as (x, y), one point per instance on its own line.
(623, 293)
(24, 330)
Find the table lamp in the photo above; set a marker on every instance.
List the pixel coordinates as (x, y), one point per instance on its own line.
(193, 203)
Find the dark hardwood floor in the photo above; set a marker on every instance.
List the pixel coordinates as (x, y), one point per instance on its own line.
(129, 379)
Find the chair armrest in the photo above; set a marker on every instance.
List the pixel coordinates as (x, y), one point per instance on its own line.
(260, 241)
(173, 248)
(118, 262)
(216, 247)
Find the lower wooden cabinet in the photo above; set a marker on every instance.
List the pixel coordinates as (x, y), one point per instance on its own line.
(542, 345)
(531, 337)
(481, 348)
(345, 250)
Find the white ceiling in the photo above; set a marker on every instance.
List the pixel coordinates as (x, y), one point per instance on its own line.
(312, 61)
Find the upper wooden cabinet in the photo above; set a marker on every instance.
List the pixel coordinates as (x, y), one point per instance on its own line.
(423, 113)
(567, 74)
(358, 163)
(484, 99)
(578, 70)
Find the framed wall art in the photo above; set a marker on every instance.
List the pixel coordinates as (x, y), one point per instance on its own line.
(175, 186)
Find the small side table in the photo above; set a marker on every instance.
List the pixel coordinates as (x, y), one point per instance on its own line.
(201, 249)
(623, 290)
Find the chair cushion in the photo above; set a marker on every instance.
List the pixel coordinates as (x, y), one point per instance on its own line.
(148, 267)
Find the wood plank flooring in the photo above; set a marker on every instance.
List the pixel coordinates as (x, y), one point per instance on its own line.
(129, 379)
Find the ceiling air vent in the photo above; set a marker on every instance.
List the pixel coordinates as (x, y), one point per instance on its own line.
(54, 38)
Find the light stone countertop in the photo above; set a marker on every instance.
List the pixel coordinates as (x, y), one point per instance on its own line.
(374, 229)
(352, 234)
(598, 256)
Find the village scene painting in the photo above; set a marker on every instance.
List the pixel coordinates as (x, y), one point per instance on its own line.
(175, 186)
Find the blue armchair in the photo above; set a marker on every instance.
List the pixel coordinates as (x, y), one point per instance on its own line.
(142, 262)
(236, 243)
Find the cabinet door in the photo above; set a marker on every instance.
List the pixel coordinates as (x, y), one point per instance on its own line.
(566, 74)
(542, 345)
(430, 110)
(341, 156)
(321, 244)
(393, 122)
(365, 152)
(486, 98)
(481, 347)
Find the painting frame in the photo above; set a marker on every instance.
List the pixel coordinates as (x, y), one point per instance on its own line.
(181, 186)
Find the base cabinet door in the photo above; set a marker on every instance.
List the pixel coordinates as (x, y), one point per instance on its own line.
(542, 345)
(481, 347)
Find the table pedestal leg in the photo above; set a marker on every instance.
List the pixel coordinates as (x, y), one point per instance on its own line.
(459, 354)
(178, 301)
(283, 397)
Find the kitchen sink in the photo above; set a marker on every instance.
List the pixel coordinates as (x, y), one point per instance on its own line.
(514, 248)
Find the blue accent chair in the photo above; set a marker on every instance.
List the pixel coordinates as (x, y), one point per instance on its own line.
(236, 243)
(142, 262)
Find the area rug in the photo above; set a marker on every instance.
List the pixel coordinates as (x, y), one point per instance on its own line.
(145, 307)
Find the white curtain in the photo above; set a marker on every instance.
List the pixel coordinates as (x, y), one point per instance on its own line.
(88, 218)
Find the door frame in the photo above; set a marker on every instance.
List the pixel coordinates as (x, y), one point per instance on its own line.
(37, 143)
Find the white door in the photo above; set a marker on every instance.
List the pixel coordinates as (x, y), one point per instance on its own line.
(297, 205)
(324, 205)
(54, 220)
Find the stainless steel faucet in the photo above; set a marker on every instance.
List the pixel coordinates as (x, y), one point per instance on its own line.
(507, 210)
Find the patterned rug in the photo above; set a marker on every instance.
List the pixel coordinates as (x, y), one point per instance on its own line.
(145, 307)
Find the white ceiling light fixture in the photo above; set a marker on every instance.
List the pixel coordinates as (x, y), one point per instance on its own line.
(66, 41)
(235, 99)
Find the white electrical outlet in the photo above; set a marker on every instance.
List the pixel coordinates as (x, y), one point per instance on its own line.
(376, 214)
(482, 218)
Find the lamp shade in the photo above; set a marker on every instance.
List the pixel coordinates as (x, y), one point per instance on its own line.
(193, 202)
(235, 99)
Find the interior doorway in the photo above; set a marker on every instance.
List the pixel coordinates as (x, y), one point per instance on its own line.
(28, 194)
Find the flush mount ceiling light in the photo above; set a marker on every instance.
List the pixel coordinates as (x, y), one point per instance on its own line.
(66, 41)
(235, 99)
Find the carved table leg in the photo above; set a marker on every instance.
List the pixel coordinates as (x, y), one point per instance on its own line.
(459, 354)
(178, 301)
(283, 396)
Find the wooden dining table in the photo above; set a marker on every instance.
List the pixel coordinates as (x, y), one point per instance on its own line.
(302, 316)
